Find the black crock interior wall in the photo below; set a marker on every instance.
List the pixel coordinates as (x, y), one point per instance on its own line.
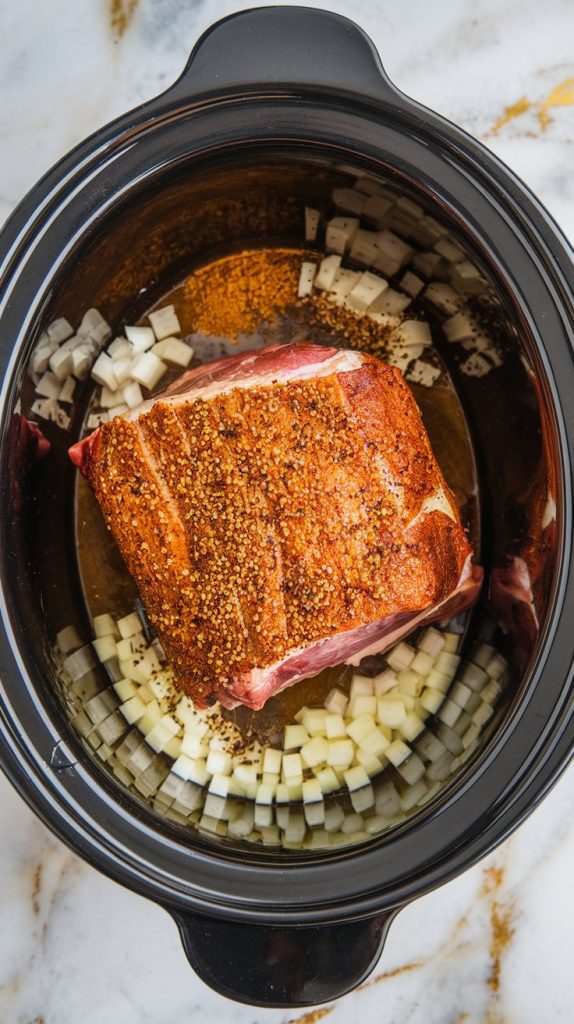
(145, 246)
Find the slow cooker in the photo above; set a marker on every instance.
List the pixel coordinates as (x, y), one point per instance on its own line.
(278, 109)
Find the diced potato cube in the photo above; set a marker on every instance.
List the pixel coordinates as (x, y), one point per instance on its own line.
(219, 762)
(294, 737)
(431, 699)
(370, 762)
(431, 642)
(292, 768)
(105, 625)
(497, 666)
(335, 727)
(422, 663)
(411, 727)
(385, 681)
(336, 702)
(449, 712)
(438, 681)
(451, 642)
(164, 322)
(341, 753)
(265, 793)
(105, 647)
(374, 743)
(272, 760)
(314, 752)
(356, 778)
(133, 709)
(397, 752)
(358, 728)
(400, 657)
(410, 682)
(327, 780)
(194, 746)
(361, 686)
(362, 705)
(129, 625)
(391, 710)
(314, 721)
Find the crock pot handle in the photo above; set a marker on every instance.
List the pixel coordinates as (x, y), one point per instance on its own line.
(282, 967)
(284, 46)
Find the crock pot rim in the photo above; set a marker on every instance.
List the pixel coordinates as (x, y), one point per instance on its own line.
(125, 131)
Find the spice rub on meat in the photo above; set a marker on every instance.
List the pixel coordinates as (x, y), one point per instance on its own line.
(280, 511)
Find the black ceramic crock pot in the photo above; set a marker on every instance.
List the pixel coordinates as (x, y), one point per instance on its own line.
(269, 99)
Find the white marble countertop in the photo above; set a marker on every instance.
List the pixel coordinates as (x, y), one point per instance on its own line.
(494, 946)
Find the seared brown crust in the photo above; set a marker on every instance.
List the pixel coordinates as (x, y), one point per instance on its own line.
(267, 518)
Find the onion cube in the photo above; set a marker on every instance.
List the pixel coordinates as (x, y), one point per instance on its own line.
(140, 338)
(343, 282)
(146, 370)
(376, 208)
(391, 710)
(164, 322)
(393, 246)
(364, 248)
(119, 349)
(82, 361)
(132, 395)
(389, 267)
(103, 372)
(118, 410)
(443, 297)
(160, 735)
(95, 327)
(340, 233)
(61, 363)
(311, 223)
(59, 330)
(314, 752)
(110, 398)
(411, 284)
(360, 727)
(49, 385)
(195, 746)
(392, 302)
(349, 200)
(341, 753)
(174, 352)
(306, 278)
(368, 288)
(326, 273)
(294, 737)
(67, 391)
(416, 334)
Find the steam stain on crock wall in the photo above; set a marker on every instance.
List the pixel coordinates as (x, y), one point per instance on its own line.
(121, 13)
(562, 95)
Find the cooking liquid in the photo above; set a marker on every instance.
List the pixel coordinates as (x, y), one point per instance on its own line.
(252, 321)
